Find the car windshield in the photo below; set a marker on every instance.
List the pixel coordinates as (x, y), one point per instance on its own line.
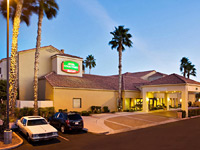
(36, 122)
(74, 117)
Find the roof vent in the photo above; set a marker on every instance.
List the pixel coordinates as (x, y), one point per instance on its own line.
(62, 51)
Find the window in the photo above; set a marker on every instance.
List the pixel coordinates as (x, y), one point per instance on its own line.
(76, 102)
(0, 70)
(24, 121)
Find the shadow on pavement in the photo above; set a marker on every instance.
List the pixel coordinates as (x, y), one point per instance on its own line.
(38, 143)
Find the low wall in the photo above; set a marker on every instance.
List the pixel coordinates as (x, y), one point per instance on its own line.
(22, 103)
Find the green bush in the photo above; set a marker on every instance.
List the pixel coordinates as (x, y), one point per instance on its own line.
(2, 110)
(189, 104)
(126, 110)
(93, 108)
(46, 112)
(85, 113)
(113, 112)
(98, 109)
(105, 109)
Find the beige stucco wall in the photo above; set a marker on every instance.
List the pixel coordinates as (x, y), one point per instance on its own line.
(131, 94)
(3, 66)
(63, 99)
(26, 69)
(57, 61)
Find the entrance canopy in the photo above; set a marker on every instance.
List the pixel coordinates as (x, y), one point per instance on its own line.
(174, 85)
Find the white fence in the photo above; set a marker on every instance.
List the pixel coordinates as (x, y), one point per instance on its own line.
(30, 103)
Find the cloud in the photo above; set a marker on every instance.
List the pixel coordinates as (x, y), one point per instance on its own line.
(95, 9)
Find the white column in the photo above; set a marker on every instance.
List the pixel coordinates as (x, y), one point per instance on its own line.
(184, 105)
(167, 100)
(145, 102)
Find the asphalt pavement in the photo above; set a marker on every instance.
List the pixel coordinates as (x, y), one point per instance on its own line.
(181, 135)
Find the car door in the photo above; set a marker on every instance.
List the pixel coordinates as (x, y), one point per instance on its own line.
(60, 119)
(54, 120)
(19, 123)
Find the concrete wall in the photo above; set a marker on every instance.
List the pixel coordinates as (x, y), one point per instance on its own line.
(22, 104)
(26, 69)
(3, 66)
(63, 99)
(57, 61)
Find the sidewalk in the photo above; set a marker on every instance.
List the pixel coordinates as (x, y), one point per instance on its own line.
(16, 141)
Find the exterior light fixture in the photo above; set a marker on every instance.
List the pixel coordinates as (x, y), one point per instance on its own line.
(180, 100)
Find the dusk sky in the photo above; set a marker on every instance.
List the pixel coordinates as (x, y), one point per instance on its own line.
(163, 32)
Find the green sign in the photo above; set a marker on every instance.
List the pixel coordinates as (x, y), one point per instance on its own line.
(70, 67)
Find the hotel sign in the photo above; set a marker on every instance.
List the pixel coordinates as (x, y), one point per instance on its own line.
(70, 67)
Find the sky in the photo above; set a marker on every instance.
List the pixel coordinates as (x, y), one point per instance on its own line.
(163, 31)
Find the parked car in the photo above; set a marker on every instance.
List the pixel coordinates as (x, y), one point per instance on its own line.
(66, 121)
(36, 128)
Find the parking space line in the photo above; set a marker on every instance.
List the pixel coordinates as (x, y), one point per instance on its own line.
(119, 124)
(140, 119)
(63, 138)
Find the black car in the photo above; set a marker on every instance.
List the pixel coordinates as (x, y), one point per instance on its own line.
(66, 121)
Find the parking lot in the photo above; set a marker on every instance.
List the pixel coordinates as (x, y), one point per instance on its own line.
(136, 121)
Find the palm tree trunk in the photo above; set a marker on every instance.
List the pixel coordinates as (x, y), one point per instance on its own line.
(36, 64)
(120, 78)
(184, 72)
(13, 59)
(89, 70)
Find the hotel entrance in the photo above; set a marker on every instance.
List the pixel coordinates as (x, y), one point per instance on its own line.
(134, 104)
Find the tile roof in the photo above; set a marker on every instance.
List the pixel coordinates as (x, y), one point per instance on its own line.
(67, 55)
(41, 48)
(172, 79)
(137, 74)
(158, 74)
(93, 82)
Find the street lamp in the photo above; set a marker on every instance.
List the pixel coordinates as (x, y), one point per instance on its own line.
(7, 65)
(7, 132)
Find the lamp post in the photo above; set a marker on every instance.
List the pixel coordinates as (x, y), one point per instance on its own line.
(7, 132)
(7, 65)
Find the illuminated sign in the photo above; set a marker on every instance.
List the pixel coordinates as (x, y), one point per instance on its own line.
(70, 67)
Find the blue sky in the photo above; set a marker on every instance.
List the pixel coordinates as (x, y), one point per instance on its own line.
(163, 32)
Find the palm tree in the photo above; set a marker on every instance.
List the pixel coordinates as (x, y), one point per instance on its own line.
(183, 67)
(90, 62)
(48, 8)
(121, 38)
(17, 14)
(191, 70)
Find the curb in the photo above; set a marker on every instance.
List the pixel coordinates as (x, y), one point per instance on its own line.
(14, 146)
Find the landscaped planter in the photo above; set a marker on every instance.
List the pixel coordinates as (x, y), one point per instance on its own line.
(179, 114)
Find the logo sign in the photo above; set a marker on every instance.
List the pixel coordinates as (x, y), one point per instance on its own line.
(70, 67)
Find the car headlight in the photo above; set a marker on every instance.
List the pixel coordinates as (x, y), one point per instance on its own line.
(35, 135)
(55, 133)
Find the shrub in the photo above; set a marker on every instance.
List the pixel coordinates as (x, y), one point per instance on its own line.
(105, 109)
(113, 112)
(98, 109)
(126, 110)
(131, 110)
(60, 110)
(85, 113)
(189, 104)
(65, 110)
(93, 108)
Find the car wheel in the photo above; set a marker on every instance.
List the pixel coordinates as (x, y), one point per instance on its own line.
(62, 128)
(28, 138)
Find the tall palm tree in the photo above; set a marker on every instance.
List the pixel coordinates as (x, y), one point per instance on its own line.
(183, 67)
(17, 14)
(121, 38)
(191, 70)
(90, 62)
(49, 9)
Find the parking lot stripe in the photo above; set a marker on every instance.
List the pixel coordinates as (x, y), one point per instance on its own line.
(140, 119)
(64, 138)
(119, 123)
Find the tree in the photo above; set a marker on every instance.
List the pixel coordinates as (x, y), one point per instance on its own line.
(190, 70)
(48, 8)
(183, 67)
(121, 38)
(187, 68)
(3, 90)
(90, 62)
(17, 14)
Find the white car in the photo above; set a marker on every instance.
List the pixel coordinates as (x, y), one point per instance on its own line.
(36, 128)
